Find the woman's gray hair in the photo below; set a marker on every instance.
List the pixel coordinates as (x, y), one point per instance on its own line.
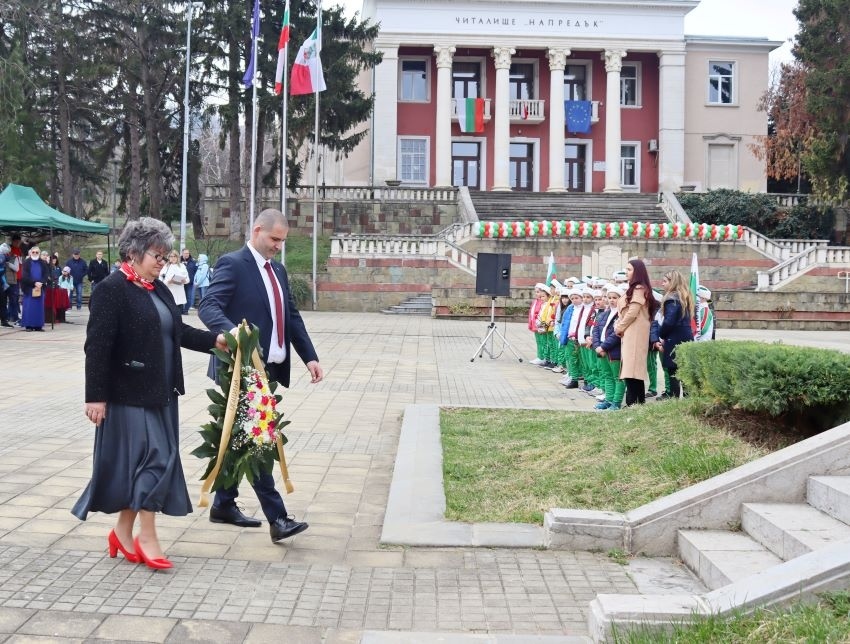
(142, 234)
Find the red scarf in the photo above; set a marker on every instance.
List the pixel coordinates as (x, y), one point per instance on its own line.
(133, 276)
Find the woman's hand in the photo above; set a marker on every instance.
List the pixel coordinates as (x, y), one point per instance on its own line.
(600, 351)
(96, 412)
(221, 343)
(39, 284)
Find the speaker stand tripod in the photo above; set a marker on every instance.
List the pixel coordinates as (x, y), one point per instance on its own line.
(492, 330)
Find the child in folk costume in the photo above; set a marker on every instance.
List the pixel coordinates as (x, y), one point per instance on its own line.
(583, 330)
(548, 314)
(705, 315)
(598, 308)
(541, 293)
(560, 353)
(569, 328)
(600, 370)
(652, 356)
(609, 349)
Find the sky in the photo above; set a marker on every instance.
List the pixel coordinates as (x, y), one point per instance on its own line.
(773, 19)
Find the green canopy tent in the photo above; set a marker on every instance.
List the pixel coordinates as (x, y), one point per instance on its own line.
(21, 209)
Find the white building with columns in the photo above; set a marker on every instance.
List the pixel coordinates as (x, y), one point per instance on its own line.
(666, 109)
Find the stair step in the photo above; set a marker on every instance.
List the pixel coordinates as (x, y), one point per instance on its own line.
(791, 529)
(719, 557)
(830, 494)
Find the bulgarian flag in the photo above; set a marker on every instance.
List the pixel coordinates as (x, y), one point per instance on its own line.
(307, 76)
(693, 287)
(550, 273)
(470, 115)
(281, 51)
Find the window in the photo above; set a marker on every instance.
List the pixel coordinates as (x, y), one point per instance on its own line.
(629, 166)
(575, 167)
(521, 81)
(466, 80)
(414, 80)
(466, 162)
(630, 84)
(413, 160)
(575, 83)
(721, 82)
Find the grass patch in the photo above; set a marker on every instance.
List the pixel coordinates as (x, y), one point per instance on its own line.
(826, 621)
(511, 465)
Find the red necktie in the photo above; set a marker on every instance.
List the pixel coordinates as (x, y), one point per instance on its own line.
(278, 303)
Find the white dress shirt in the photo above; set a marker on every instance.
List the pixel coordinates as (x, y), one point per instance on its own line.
(277, 353)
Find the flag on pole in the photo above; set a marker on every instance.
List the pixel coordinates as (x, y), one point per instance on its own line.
(470, 115)
(281, 51)
(694, 285)
(550, 274)
(307, 76)
(248, 78)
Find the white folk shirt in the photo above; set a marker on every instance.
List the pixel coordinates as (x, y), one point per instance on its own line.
(277, 353)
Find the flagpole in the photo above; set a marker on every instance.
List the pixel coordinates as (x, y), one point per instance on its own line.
(284, 124)
(183, 187)
(316, 160)
(254, 34)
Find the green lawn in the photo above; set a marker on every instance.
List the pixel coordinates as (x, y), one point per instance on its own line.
(511, 465)
(824, 622)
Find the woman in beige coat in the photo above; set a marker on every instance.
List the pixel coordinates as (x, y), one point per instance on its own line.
(636, 310)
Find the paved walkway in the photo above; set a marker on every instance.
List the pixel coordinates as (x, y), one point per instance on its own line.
(333, 583)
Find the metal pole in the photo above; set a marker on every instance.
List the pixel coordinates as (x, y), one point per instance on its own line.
(183, 187)
(284, 124)
(253, 132)
(316, 163)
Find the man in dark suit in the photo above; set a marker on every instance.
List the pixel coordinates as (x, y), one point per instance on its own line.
(248, 284)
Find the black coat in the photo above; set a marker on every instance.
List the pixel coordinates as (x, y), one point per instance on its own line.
(27, 282)
(125, 361)
(98, 270)
(674, 330)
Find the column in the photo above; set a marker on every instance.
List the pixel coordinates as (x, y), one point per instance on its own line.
(443, 143)
(557, 124)
(671, 120)
(613, 64)
(502, 129)
(386, 115)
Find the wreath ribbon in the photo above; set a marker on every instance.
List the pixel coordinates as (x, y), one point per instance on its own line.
(227, 426)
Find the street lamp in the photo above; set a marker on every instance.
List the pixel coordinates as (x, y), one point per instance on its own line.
(183, 189)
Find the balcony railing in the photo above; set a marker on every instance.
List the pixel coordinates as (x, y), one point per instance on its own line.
(486, 109)
(527, 111)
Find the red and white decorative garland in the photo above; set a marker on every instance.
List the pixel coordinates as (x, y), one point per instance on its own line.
(599, 230)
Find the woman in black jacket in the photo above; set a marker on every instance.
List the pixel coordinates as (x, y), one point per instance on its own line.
(677, 309)
(134, 374)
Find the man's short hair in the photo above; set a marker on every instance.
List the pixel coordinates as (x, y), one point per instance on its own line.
(269, 217)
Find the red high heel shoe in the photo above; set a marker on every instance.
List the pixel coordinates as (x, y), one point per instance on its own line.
(115, 545)
(157, 564)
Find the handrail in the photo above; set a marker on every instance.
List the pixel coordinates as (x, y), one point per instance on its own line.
(350, 193)
(793, 266)
(672, 208)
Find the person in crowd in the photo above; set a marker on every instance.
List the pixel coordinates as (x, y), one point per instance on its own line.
(583, 331)
(116, 266)
(705, 315)
(541, 294)
(191, 268)
(55, 268)
(14, 272)
(569, 334)
(175, 277)
(79, 270)
(600, 367)
(248, 284)
(5, 252)
(202, 277)
(609, 348)
(563, 304)
(65, 281)
(652, 355)
(547, 322)
(677, 311)
(98, 270)
(34, 283)
(133, 375)
(636, 308)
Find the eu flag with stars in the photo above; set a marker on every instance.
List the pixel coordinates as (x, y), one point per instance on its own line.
(578, 116)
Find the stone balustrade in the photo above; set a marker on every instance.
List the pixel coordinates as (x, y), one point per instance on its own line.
(815, 255)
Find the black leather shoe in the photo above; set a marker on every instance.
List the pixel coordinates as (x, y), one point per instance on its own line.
(286, 527)
(234, 516)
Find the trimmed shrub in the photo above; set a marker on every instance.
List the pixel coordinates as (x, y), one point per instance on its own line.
(300, 290)
(804, 387)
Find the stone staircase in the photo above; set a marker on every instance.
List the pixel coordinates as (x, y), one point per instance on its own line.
(771, 533)
(578, 206)
(416, 305)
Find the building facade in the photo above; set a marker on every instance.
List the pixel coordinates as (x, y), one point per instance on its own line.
(660, 109)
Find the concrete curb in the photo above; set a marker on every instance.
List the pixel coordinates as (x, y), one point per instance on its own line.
(415, 514)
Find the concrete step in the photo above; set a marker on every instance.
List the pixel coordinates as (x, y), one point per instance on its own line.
(830, 494)
(719, 557)
(791, 529)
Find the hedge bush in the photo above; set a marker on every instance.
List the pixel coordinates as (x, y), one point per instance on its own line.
(760, 212)
(798, 384)
(300, 290)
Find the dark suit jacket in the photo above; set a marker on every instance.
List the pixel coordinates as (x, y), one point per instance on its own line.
(125, 360)
(237, 292)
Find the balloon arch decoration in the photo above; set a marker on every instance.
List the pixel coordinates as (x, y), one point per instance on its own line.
(615, 230)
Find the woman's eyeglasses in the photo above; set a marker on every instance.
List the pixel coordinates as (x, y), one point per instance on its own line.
(159, 258)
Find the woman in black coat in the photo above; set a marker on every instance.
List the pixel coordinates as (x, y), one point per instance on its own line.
(677, 309)
(134, 374)
(35, 277)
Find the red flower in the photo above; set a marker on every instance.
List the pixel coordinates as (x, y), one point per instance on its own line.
(256, 431)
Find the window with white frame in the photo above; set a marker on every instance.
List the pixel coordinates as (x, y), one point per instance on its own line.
(629, 165)
(721, 82)
(414, 80)
(630, 85)
(413, 160)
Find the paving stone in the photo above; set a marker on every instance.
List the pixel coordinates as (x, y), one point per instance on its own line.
(60, 624)
(140, 629)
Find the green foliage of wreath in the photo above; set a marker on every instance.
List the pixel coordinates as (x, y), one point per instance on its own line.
(238, 462)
